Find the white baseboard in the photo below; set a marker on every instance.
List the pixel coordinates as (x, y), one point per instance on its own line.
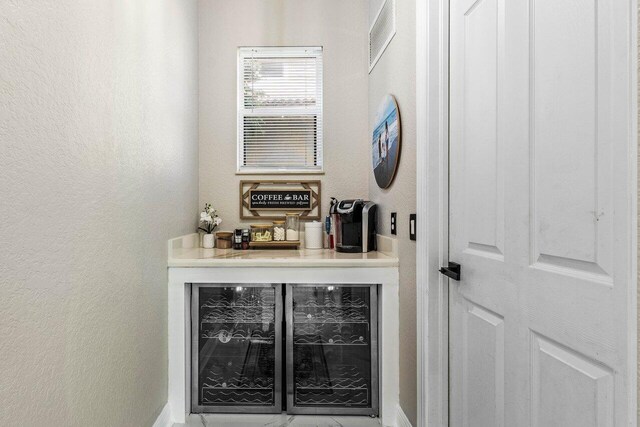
(401, 418)
(164, 419)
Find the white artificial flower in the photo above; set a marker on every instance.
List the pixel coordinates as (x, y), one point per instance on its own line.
(218, 220)
(208, 218)
(203, 215)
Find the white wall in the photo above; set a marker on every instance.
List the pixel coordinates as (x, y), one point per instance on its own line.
(98, 153)
(337, 25)
(395, 73)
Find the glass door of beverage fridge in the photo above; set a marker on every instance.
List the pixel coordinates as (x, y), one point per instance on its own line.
(236, 348)
(332, 350)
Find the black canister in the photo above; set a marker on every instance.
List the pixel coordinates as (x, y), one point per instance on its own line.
(237, 239)
(246, 238)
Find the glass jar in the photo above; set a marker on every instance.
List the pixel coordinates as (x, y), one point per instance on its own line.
(261, 233)
(292, 225)
(279, 233)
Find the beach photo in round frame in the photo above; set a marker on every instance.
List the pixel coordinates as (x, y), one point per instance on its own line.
(385, 142)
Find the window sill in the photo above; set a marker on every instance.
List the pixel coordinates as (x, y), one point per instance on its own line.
(279, 172)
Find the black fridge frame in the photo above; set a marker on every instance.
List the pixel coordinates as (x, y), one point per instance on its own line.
(373, 410)
(276, 408)
(284, 320)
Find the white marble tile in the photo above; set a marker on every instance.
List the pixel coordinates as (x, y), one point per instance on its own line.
(347, 421)
(277, 420)
(192, 421)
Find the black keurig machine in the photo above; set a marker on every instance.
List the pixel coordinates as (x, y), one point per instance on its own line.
(355, 225)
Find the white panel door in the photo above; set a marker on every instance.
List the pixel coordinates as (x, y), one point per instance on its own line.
(541, 213)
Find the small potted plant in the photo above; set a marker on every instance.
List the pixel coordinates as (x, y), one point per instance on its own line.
(209, 221)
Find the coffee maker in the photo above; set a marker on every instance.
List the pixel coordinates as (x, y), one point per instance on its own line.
(355, 225)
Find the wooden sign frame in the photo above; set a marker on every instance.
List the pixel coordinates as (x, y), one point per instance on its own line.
(247, 187)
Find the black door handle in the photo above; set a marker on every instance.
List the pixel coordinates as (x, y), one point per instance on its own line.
(453, 271)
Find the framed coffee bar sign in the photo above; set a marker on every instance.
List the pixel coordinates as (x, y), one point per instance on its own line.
(272, 199)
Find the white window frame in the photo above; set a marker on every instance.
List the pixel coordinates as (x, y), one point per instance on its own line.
(311, 51)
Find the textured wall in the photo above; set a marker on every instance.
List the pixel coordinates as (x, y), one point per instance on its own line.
(341, 27)
(98, 153)
(395, 73)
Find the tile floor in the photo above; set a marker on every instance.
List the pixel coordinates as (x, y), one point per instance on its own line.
(282, 420)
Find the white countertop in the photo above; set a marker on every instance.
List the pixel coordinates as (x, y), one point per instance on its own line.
(184, 253)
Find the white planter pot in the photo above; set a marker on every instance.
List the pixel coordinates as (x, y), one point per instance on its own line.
(207, 241)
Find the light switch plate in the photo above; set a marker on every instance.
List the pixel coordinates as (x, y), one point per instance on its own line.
(393, 223)
(412, 226)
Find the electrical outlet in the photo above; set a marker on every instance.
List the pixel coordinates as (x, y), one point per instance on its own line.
(393, 223)
(412, 226)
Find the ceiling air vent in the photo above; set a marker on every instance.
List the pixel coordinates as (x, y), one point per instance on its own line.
(382, 31)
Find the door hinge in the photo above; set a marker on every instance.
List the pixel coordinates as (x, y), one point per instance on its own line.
(453, 270)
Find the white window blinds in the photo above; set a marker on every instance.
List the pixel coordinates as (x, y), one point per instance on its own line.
(280, 109)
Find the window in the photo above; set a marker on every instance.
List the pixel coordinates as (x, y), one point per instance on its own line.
(280, 109)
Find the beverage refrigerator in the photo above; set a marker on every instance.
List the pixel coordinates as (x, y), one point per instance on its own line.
(236, 348)
(299, 348)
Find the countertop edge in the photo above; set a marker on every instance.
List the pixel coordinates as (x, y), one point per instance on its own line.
(271, 263)
(389, 258)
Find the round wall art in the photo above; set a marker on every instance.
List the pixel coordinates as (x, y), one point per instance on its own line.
(385, 145)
